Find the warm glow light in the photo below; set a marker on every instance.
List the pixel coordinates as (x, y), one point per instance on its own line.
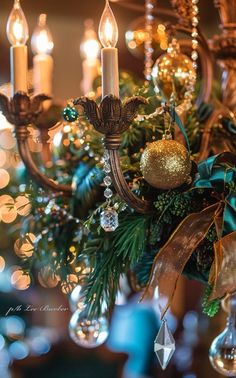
(17, 27)
(90, 46)
(41, 41)
(23, 205)
(4, 178)
(108, 29)
(20, 280)
(2, 264)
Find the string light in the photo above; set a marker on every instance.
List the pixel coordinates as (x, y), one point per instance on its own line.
(149, 20)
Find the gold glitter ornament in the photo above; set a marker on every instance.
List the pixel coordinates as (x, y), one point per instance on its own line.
(165, 164)
(174, 74)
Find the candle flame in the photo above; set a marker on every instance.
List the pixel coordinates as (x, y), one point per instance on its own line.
(17, 27)
(90, 45)
(41, 41)
(108, 29)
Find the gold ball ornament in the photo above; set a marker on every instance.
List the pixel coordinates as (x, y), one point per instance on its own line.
(165, 164)
(173, 74)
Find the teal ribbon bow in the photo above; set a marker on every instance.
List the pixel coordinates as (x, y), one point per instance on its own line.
(175, 118)
(217, 173)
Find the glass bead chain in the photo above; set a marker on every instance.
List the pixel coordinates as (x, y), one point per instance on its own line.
(194, 56)
(148, 47)
(109, 217)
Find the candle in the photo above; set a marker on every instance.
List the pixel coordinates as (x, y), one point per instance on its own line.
(18, 34)
(108, 34)
(42, 46)
(89, 48)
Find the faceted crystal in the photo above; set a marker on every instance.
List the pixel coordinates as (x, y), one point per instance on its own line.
(107, 180)
(164, 345)
(195, 21)
(106, 155)
(108, 193)
(194, 33)
(194, 55)
(107, 168)
(109, 220)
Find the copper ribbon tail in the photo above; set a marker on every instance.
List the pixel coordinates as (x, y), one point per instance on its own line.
(174, 255)
(224, 281)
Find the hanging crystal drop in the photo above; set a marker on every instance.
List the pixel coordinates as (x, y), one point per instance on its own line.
(164, 345)
(109, 220)
(108, 193)
(107, 180)
(107, 168)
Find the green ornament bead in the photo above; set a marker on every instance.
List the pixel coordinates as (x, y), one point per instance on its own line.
(70, 114)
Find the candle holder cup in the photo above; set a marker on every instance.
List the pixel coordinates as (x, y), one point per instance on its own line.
(22, 110)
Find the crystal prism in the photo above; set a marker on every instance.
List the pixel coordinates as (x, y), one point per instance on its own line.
(164, 345)
(109, 220)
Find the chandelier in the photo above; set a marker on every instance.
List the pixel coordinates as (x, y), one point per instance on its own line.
(167, 166)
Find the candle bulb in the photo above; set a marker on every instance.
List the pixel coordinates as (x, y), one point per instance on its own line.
(108, 34)
(89, 49)
(42, 46)
(18, 34)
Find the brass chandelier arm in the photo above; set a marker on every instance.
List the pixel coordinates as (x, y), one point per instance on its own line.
(142, 206)
(22, 110)
(34, 171)
(112, 118)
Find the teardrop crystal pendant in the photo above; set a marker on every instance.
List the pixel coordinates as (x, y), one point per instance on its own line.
(108, 29)
(164, 345)
(17, 27)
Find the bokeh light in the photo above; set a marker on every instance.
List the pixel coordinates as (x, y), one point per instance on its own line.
(23, 205)
(8, 212)
(2, 264)
(3, 158)
(4, 178)
(19, 350)
(13, 327)
(20, 280)
(7, 141)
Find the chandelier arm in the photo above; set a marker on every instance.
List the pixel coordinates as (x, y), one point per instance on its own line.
(205, 140)
(22, 110)
(112, 118)
(122, 188)
(33, 170)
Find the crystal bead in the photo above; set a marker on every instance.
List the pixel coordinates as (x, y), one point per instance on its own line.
(194, 43)
(107, 168)
(109, 220)
(107, 180)
(106, 155)
(194, 55)
(194, 21)
(195, 65)
(195, 9)
(194, 33)
(194, 2)
(70, 114)
(164, 345)
(108, 193)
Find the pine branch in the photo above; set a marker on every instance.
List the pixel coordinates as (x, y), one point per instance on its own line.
(113, 256)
